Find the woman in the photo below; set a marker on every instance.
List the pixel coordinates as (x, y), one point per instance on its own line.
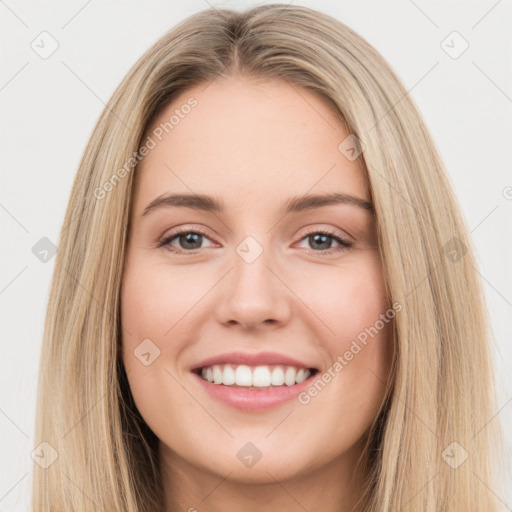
(256, 370)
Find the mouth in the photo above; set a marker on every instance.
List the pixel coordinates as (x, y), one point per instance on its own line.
(261, 377)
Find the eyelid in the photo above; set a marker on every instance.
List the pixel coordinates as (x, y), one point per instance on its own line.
(180, 231)
(339, 236)
(334, 231)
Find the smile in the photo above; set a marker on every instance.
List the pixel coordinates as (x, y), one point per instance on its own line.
(263, 376)
(254, 387)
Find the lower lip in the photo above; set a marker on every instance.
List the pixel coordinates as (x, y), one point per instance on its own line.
(254, 399)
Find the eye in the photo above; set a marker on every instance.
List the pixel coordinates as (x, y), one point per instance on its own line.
(322, 240)
(190, 241)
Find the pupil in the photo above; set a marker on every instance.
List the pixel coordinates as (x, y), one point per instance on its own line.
(326, 239)
(189, 238)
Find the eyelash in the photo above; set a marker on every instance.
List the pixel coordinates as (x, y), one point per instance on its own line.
(165, 242)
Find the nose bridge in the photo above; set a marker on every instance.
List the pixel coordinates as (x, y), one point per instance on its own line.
(253, 294)
(251, 280)
(251, 263)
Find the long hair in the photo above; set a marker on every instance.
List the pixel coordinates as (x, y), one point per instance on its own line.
(431, 446)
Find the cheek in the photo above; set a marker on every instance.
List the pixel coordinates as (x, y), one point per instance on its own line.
(155, 301)
(359, 344)
(349, 299)
(151, 311)
(353, 303)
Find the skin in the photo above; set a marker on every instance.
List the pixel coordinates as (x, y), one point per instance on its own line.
(254, 144)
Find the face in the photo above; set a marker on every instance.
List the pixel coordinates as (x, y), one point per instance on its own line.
(254, 278)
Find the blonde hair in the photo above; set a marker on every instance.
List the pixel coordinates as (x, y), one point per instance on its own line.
(442, 388)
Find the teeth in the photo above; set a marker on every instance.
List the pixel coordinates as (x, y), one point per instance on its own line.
(228, 375)
(243, 376)
(217, 375)
(289, 376)
(259, 376)
(277, 376)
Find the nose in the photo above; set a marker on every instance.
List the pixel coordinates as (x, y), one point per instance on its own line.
(253, 294)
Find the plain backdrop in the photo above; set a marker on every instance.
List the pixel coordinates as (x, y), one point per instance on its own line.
(49, 105)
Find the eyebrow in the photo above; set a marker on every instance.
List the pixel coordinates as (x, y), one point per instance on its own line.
(293, 205)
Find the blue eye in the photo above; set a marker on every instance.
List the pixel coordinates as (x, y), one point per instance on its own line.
(323, 238)
(190, 241)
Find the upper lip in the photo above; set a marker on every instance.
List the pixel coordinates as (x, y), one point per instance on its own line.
(261, 358)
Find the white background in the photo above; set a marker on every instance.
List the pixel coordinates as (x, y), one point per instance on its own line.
(49, 107)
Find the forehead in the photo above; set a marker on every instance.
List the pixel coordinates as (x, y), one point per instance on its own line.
(249, 142)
